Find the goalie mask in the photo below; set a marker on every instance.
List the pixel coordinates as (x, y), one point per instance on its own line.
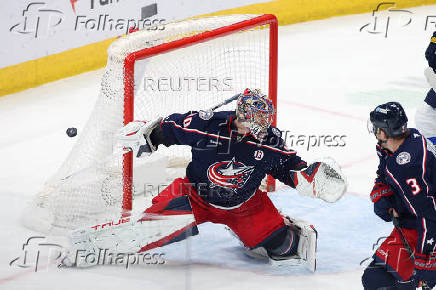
(256, 111)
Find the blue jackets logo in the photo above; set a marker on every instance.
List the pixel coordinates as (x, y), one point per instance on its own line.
(230, 174)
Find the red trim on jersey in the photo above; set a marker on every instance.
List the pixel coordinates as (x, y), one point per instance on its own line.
(230, 124)
(228, 138)
(404, 194)
(300, 163)
(196, 131)
(384, 150)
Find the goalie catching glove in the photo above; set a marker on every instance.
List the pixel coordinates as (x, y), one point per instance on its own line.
(136, 136)
(323, 180)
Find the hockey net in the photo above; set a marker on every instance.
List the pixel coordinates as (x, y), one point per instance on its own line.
(188, 65)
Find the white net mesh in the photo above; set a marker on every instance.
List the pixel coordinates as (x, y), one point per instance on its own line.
(89, 185)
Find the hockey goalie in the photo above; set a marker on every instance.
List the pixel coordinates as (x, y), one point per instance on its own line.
(232, 152)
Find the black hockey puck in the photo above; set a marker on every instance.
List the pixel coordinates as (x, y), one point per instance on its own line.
(71, 132)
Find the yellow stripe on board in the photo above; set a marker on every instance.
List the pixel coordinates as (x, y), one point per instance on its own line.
(43, 70)
(93, 56)
(295, 11)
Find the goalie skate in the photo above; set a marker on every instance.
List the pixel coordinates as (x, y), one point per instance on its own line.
(306, 252)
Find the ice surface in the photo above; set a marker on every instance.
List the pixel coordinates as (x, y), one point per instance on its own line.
(330, 77)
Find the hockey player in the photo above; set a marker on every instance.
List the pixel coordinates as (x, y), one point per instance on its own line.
(232, 151)
(405, 187)
(426, 114)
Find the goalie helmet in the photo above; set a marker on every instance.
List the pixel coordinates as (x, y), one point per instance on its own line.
(389, 117)
(256, 111)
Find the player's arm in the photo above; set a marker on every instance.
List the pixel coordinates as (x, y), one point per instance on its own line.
(382, 194)
(415, 188)
(322, 180)
(380, 173)
(288, 162)
(176, 129)
(181, 129)
(284, 162)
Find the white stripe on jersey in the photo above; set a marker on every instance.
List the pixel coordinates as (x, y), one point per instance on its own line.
(424, 159)
(291, 152)
(424, 235)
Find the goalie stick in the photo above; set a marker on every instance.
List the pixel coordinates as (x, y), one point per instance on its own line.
(225, 102)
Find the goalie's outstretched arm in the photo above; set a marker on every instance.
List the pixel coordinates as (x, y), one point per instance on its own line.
(176, 129)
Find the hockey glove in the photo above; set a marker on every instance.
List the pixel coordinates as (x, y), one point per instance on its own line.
(430, 53)
(136, 137)
(379, 190)
(323, 180)
(382, 197)
(425, 269)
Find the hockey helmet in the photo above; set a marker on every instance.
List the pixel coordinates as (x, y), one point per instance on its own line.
(389, 117)
(256, 111)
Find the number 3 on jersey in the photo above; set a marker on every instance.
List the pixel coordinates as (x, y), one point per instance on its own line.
(414, 185)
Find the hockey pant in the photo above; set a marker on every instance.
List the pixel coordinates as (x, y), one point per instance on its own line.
(392, 266)
(256, 222)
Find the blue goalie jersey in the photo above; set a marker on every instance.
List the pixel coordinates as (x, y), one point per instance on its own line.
(227, 168)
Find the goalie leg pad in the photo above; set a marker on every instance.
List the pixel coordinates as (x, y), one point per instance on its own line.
(127, 235)
(169, 220)
(282, 243)
(308, 242)
(305, 251)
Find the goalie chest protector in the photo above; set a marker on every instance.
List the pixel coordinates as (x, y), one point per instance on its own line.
(227, 168)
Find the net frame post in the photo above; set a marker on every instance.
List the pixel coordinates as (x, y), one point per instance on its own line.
(129, 72)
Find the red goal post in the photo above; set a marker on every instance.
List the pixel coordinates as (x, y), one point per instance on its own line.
(96, 182)
(129, 72)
